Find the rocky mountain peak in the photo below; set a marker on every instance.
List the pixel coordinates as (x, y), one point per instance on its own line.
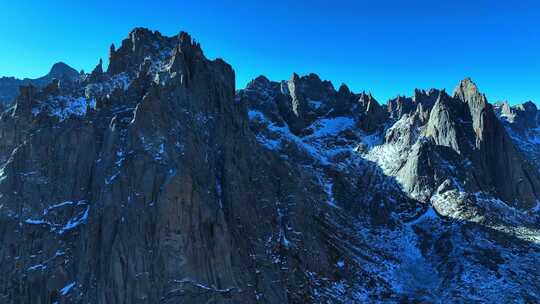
(295, 77)
(187, 44)
(421, 100)
(368, 102)
(442, 122)
(309, 94)
(521, 117)
(344, 89)
(260, 82)
(466, 90)
(399, 106)
(141, 44)
(97, 73)
(496, 154)
(374, 115)
(528, 106)
(63, 71)
(504, 107)
(372, 104)
(418, 93)
(427, 98)
(483, 117)
(142, 34)
(365, 99)
(310, 82)
(9, 86)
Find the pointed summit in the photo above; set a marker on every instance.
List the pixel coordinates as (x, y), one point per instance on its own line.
(481, 112)
(261, 79)
(527, 106)
(344, 89)
(140, 44)
(259, 83)
(97, 73)
(188, 45)
(467, 91)
(374, 114)
(62, 71)
(442, 123)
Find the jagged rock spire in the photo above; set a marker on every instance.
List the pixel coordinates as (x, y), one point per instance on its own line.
(344, 89)
(481, 112)
(140, 44)
(374, 114)
(441, 125)
(187, 44)
(467, 90)
(259, 82)
(97, 73)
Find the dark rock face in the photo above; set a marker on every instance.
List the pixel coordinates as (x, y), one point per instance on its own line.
(9, 86)
(467, 126)
(400, 105)
(435, 150)
(159, 194)
(157, 182)
(303, 100)
(442, 124)
(62, 71)
(503, 166)
(522, 124)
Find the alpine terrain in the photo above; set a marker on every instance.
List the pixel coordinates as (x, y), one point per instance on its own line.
(157, 181)
(9, 86)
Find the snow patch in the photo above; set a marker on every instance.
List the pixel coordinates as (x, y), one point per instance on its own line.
(318, 145)
(66, 289)
(63, 107)
(37, 267)
(72, 223)
(330, 126)
(76, 221)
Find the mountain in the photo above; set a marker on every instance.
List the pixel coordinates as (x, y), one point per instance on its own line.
(9, 86)
(156, 181)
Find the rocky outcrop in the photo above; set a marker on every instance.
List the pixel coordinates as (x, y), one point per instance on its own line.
(303, 100)
(500, 162)
(421, 99)
(443, 123)
(522, 117)
(374, 115)
(62, 71)
(475, 139)
(400, 106)
(141, 45)
(522, 124)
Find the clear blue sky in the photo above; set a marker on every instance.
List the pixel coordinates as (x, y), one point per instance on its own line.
(386, 47)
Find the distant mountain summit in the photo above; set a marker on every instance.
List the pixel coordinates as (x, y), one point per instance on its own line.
(61, 70)
(9, 86)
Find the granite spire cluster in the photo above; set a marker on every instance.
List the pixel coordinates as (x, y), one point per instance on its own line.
(157, 181)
